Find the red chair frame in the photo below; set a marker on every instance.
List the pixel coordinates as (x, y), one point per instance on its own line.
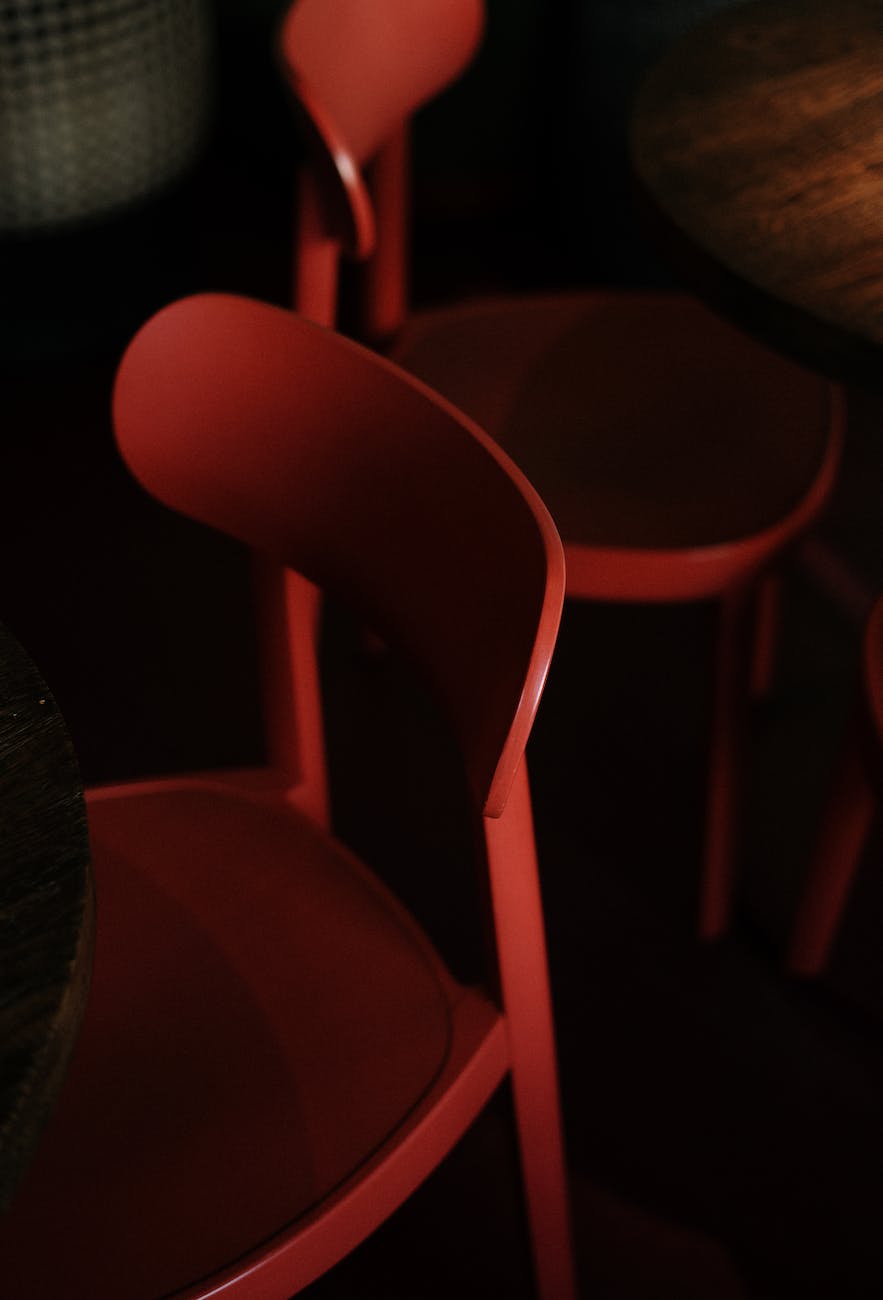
(229, 1125)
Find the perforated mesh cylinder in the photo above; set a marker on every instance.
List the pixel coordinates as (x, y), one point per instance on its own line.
(102, 103)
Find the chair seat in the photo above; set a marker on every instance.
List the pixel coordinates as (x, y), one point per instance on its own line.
(263, 1016)
(642, 419)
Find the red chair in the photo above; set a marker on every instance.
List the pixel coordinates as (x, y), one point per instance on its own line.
(273, 1056)
(677, 457)
(847, 818)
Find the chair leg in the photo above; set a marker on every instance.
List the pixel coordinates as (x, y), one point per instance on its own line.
(316, 258)
(288, 611)
(724, 764)
(846, 823)
(525, 994)
(766, 634)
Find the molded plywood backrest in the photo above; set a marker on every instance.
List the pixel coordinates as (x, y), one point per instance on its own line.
(309, 447)
(370, 65)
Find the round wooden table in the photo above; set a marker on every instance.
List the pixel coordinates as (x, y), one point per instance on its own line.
(757, 146)
(46, 908)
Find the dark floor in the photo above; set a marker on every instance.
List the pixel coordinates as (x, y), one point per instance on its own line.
(724, 1121)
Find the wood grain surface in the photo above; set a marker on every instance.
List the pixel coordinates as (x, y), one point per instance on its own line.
(46, 907)
(758, 140)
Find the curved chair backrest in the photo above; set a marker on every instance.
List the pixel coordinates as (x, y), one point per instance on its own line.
(371, 65)
(357, 72)
(310, 448)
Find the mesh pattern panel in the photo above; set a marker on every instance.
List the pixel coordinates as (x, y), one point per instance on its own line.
(102, 102)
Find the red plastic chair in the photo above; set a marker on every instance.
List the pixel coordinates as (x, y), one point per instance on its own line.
(678, 458)
(847, 818)
(273, 1056)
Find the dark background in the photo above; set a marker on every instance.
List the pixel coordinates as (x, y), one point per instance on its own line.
(723, 1120)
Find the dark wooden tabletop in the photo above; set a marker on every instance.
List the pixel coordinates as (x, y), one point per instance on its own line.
(757, 145)
(46, 907)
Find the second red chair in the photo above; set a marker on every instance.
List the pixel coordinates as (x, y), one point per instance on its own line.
(678, 458)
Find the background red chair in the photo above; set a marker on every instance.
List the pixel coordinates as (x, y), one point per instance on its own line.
(677, 456)
(847, 818)
(273, 1056)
